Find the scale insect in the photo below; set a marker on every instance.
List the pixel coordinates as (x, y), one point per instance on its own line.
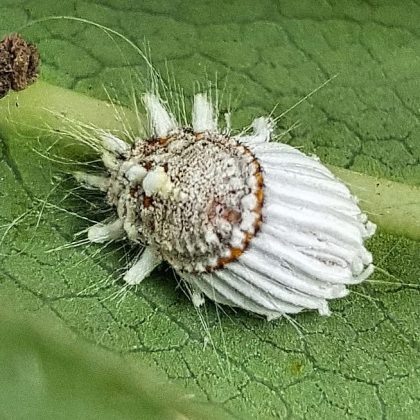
(243, 220)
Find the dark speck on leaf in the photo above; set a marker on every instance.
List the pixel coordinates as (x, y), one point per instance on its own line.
(297, 367)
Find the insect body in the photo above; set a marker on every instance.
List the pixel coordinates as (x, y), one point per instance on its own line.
(247, 222)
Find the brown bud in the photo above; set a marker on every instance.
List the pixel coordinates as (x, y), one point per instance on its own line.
(19, 63)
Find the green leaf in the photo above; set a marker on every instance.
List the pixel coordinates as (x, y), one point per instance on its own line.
(46, 372)
(363, 361)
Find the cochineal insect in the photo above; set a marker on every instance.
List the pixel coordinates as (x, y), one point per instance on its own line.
(244, 220)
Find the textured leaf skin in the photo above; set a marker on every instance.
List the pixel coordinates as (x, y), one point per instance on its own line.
(363, 362)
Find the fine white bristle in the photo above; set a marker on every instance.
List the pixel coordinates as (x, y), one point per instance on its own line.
(147, 262)
(113, 144)
(101, 233)
(92, 181)
(197, 298)
(161, 121)
(202, 115)
(110, 161)
(262, 129)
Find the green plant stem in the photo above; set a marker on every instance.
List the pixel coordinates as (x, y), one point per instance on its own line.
(42, 109)
(394, 206)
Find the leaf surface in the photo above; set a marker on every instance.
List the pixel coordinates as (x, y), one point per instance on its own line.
(363, 361)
